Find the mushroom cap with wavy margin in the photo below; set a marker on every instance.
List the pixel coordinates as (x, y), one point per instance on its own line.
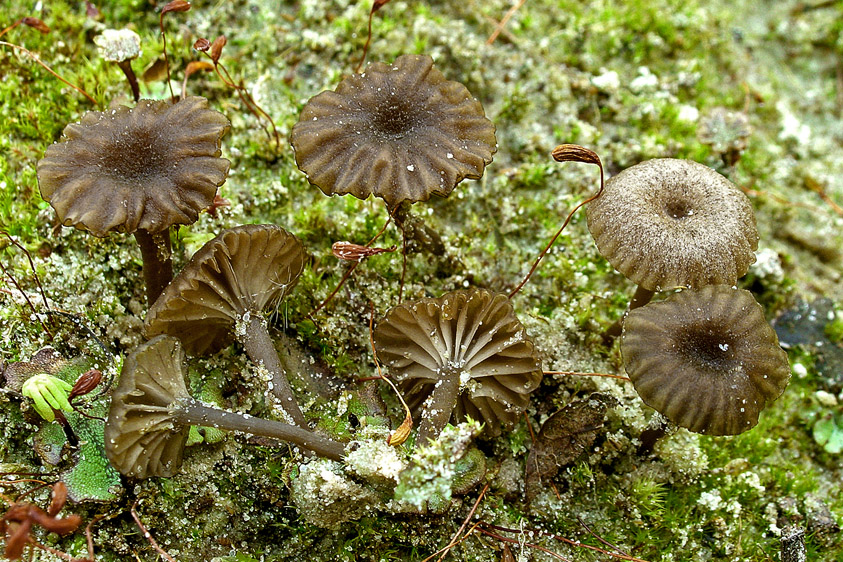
(474, 331)
(141, 436)
(665, 223)
(245, 269)
(707, 359)
(401, 131)
(142, 168)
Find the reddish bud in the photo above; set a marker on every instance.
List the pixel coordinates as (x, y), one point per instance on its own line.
(575, 153)
(176, 6)
(216, 47)
(218, 201)
(59, 498)
(86, 382)
(35, 23)
(202, 44)
(91, 11)
(402, 433)
(349, 251)
(377, 5)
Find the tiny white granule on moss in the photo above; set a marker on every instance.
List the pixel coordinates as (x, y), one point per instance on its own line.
(375, 458)
(711, 500)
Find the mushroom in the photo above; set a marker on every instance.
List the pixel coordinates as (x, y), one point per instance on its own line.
(151, 413)
(705, 358)
(665, 223)
(223, 291)
(463, 354)
(401, 131)
(121, 46)
(137, 170)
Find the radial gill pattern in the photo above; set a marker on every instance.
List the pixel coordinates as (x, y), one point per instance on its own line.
(665, 223)
(243, 270)
(465, 353)
(707, 359)
(146, 167)
(141, 438)
(401, 131)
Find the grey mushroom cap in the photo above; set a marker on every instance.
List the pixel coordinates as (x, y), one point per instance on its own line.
(666, 223)
(707, 359)
(471, 335)
(243, 271)
(142, 168)
(142, 438)
(400, 131)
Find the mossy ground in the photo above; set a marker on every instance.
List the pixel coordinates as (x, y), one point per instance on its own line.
(631, 80)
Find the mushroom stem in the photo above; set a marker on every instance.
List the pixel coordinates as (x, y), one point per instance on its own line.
(157, 261)
(188, 411)
(126, 67)
(641, 297)
(440, 404)
(261, 349)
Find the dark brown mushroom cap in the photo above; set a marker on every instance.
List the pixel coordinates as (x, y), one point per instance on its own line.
(475, 332)
(141, 437)
(147, 167)
(244, 270)
(707, 359)
(400, 131)
(665, 223)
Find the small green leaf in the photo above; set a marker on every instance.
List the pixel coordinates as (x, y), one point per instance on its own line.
(829, 435)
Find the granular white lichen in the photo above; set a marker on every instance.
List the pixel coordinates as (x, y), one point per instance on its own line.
(376, 460)
(326, 497)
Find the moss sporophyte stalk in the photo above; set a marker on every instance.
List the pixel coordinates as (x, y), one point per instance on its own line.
(233, 405)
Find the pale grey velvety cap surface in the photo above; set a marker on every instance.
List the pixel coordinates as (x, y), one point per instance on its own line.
(666, 223)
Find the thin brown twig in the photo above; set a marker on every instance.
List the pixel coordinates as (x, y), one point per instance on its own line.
(599, 538)
(26, 298)
(349, 271)
(574, 373)
(147, 534)
(504, 21)
(50, 70)
(513, 541)
(577, 544)
(399, 435)
(20, 246)
(454, 540)
(567, 153)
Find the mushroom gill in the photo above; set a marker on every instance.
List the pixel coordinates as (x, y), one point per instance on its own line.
(401, 131)
(707, 359)
(463, 354)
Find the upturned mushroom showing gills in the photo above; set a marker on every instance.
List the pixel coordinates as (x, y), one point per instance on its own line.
(705, 358)
(401, 131)
(463, 354)
(138, 170)
(152, 411)
(666, 223)
(222, 292)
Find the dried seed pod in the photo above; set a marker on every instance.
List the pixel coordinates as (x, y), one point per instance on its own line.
(400, 131)
(707, 359)
(463, 354)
